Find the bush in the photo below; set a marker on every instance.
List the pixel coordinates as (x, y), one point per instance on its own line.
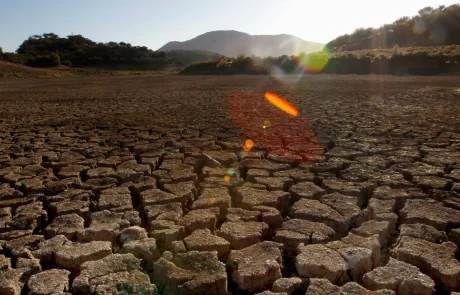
(15, 58)
(55, 59)
(396, 50)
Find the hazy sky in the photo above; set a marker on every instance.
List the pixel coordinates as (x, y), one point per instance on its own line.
(155, 22)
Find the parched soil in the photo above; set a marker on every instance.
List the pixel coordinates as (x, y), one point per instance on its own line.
(144, 185)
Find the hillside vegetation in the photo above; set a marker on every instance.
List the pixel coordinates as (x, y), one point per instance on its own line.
(425, 44)
(400, 61)
(186, 57)
(431, 27)
(50, 50)
(234, 43)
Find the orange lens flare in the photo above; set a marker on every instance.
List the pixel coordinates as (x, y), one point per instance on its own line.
(281, 104)
(227, 178)
(283, 135)
(248, 145)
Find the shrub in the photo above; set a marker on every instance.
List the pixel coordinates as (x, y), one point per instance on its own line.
(396, 50)
(15, 58)
(55, 59)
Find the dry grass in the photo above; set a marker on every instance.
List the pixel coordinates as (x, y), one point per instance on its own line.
(10, 70)
(444, 50)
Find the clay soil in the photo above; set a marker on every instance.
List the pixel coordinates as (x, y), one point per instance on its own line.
(380, 155)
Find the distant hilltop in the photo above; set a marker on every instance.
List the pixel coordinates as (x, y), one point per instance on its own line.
(233, 43)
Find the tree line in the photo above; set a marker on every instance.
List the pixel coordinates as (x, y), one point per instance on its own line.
(433, 60)
(50, 50)
(431, 27)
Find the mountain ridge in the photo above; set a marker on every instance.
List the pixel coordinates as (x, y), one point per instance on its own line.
(233, 43)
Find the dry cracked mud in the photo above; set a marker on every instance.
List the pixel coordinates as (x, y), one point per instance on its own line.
(144, 185)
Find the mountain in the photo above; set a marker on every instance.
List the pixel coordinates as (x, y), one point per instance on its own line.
(233, 43)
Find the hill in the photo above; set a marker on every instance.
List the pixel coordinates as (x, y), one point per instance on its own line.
(233, 43)
(431, 27)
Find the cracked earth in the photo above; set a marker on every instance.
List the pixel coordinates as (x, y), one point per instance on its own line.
(143, 185)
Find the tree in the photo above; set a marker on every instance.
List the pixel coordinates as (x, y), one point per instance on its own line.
(426, 10)
(41, 51)
(431, 26)
(240, 57)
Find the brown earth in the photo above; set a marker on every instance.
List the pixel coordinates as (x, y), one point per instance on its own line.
(10, 70)
(140, 185)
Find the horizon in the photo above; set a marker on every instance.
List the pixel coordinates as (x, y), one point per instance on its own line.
(143, 24)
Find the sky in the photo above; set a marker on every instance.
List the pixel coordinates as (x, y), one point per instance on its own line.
(153, 23)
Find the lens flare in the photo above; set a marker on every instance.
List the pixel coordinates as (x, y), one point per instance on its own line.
(289, 136)
(289, 79)
(266, 124)
(227, 178)
(314, 62)
(241, 155)
(281, 104)
(248, 145)
(231, 172)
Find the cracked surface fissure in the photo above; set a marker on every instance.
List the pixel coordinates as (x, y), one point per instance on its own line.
(381, 140)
